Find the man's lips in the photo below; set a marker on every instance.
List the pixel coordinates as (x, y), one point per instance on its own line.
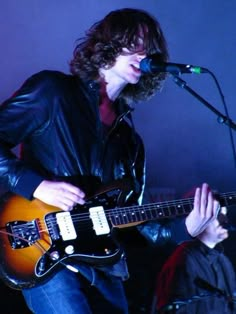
(136, 68)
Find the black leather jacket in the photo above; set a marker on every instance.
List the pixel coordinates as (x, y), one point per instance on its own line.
(56, 119)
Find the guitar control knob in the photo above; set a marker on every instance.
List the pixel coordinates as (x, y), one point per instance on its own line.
(69, 249)
(107, 251)
(54, 255)
(42, 264)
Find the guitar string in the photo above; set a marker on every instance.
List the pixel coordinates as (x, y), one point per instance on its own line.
(163, 210)
(123, 213)
(82, 218)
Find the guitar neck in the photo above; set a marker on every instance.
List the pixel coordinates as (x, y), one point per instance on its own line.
(126, 216)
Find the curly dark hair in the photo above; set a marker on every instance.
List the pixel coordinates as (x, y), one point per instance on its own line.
(104, 41)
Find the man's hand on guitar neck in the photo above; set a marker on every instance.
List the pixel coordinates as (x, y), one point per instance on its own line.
(205, 210)
(60, 194)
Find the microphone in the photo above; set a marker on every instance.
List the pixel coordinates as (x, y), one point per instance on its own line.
(153, 64)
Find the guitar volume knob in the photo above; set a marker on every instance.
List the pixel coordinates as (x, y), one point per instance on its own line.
(54, 255)
(69, 249)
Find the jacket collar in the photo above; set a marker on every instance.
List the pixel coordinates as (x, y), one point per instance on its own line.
(121, 107)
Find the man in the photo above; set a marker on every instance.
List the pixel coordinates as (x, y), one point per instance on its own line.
(198, 277)
(77, 134)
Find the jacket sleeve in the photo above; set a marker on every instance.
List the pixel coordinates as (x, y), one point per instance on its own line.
(21, 117)
(140, 175)
(157, 233)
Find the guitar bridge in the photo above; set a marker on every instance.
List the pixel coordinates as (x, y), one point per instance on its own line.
(22, 234)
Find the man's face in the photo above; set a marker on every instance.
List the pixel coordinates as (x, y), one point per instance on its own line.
(126, 69)
(127, 65)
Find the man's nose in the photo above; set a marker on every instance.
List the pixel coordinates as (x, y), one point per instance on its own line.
(141, 55)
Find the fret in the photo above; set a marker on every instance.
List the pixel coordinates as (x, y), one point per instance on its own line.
(180, 208)
(172, 210)
(115, 217)
(143, 214)
(148, 213)
(187, 206)
(133, 216)
(154, 212)
(151, 211)
(124, 218)
(159, 211)
(166, 212)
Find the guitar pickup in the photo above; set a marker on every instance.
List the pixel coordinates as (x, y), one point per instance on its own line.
(66, 226)
(100, 223)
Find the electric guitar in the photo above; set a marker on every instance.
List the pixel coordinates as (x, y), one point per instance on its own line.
(37, 238)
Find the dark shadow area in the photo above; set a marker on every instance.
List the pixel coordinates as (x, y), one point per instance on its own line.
(12, 301)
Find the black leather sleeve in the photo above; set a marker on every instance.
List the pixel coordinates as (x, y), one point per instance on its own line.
(21, 117)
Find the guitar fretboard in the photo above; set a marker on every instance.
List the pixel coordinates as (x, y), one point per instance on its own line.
(161, 210)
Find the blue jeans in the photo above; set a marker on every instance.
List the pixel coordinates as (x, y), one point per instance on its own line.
(87, 292)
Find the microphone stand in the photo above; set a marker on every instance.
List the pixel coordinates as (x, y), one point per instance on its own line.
(221, 118)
